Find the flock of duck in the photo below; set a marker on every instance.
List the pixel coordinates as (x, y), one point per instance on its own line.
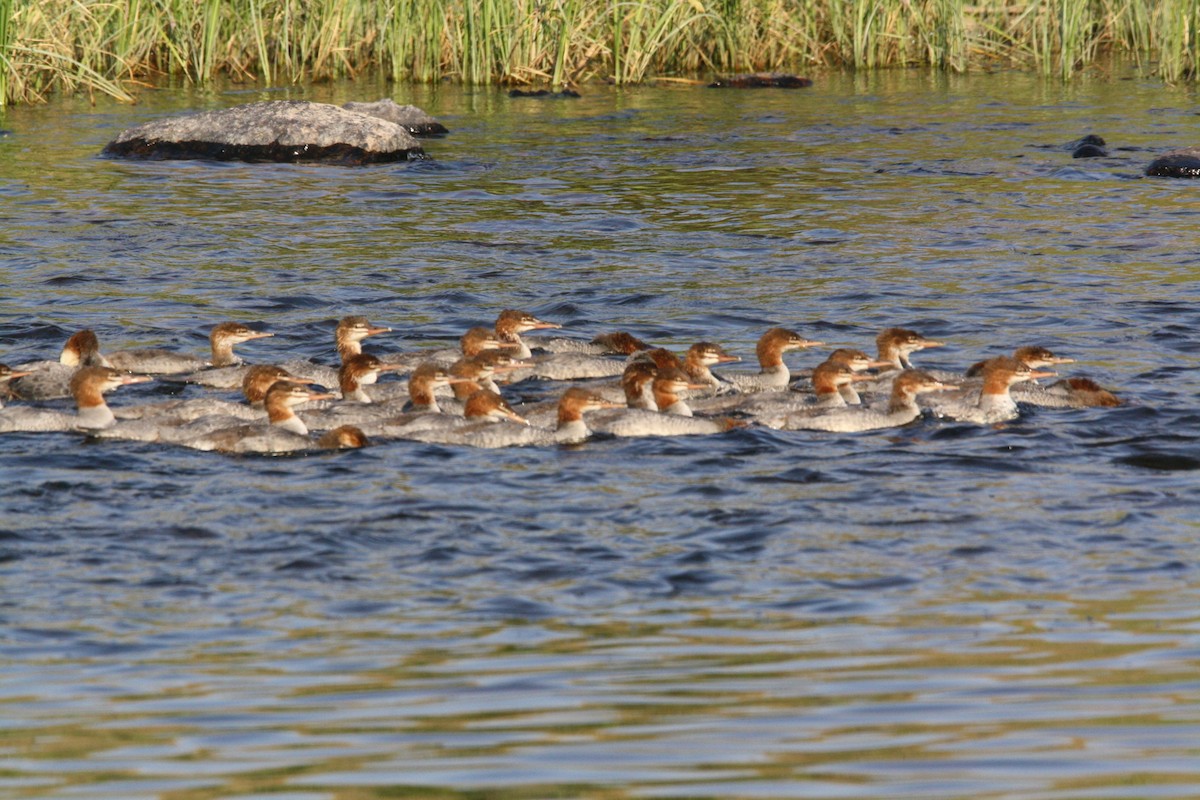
(620, 386)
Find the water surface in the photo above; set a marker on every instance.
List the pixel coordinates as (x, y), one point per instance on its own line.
(942, 610)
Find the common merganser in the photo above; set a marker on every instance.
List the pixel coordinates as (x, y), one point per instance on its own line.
(700, 357)
(774, 374)
(280, 402)
(347, 339)
(157, 361)
(618, 343)
(570, 366)
(88, 386)
(828, 380)
(897, 344)
(476, 374)
(270, 440)
(637, 383)
(857, 361)
(511, 324)
(1077, 392)
(481, 372)
(178, 420)
(50, 380)
(674, 420)
(992, 403)
(902, 408)
(7, 374)
(1033, 356)
(358, 371)
(350, 333)
(571, 428)
(483, 407)
(667, 386)
(423, 384)
(259, 378)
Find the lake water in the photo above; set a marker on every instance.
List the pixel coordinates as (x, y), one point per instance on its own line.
(937, 611)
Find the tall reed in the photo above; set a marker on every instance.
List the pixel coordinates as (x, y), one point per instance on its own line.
(103, 45)
(5, 18)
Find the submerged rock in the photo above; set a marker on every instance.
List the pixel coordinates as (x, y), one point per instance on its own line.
(1090, 146)
(1183, 163)
(759, 80)
(280, 131)
(565, 93)
(411, 118)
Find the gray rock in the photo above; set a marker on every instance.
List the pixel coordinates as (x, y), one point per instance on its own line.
(282, 131)
(416, 121)
(1183, 163)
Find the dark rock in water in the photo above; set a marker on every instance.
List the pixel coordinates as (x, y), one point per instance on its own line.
(281, 131)
(1183, 163)
(411, 118)
(1090, 146)
(758, 80)
(543, 93)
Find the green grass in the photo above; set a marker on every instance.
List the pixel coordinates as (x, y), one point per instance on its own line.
(108, 46)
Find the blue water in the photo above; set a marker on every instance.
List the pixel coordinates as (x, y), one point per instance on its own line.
(942, 610)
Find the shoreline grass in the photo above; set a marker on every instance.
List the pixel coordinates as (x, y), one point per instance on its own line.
(110, 46)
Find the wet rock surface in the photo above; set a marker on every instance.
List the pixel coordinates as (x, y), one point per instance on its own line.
(278, 131)
(564, 94)
(1183, 163)
(411, 118)
(761, 80)
(1090, 146)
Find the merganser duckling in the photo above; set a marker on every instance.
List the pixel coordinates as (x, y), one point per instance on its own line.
(485, 404)
(774, 374)
(280, 402)
(571, 428)
(476, 340)
(511, 324)
(570, 366)
(1078, 392)
(88, 386)
(637, 383)
(993, 402)
(156, 361)
(178, 420)
(618, 343)
(358, 371)
(491, 366)
(481, 408)
(423, 384)
(897, 344)
(476, 373)
(828, 380)
(661, 358)
(667, 385)
(833, 384)
(1033, 356)
(347, 339)
(261, 377)
(675, 418)
(7, 374)
(857, 361)
(268, 440)
(902, 408)
(700, 357)
(349, 334)
(50, 380)
(345, 437)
